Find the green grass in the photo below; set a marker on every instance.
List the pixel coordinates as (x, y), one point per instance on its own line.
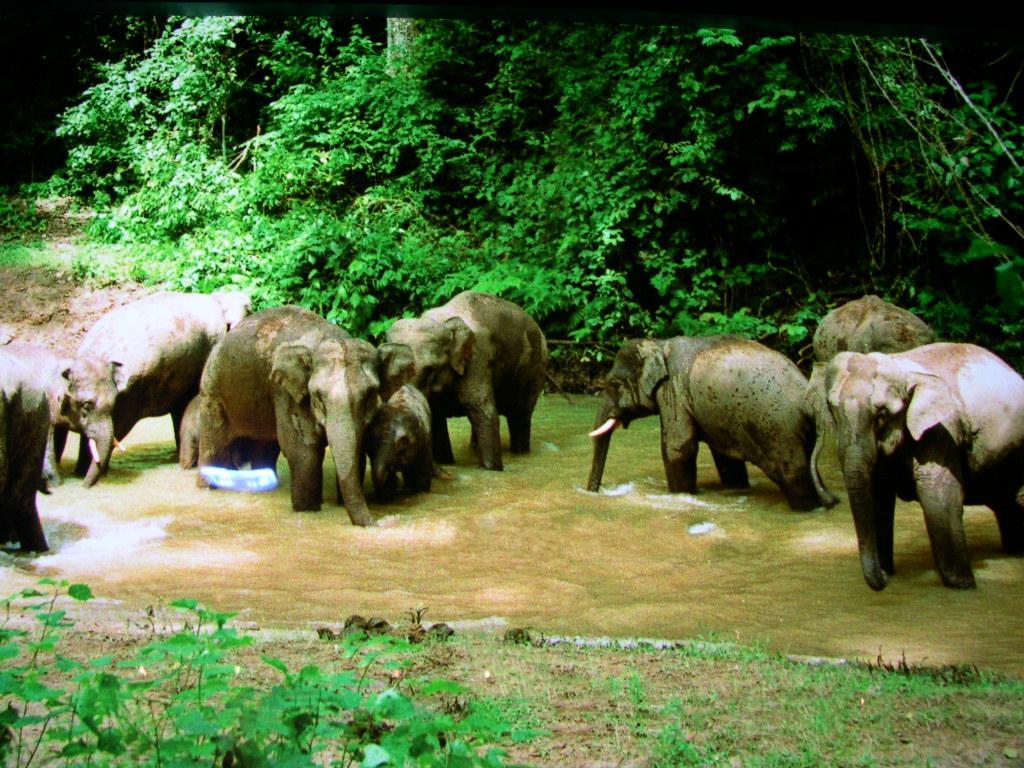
(206, 691)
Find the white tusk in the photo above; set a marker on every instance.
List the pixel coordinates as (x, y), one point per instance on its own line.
(95, 451)
(119, 446)
(605, 428)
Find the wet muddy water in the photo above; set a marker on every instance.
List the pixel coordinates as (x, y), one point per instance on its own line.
(528, 546)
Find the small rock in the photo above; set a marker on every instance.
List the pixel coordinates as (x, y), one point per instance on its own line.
(326, 633)
(440, 631)
(517, 636)
(700, 529)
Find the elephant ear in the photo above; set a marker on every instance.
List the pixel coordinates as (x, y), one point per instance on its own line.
(396, 365)
(463, 340)
(932, 402)
(291, 366)
(654, 369)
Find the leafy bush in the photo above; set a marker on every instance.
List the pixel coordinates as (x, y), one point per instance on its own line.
(614, 180)
(179, 701)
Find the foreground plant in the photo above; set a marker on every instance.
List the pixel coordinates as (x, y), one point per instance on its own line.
(181, 701)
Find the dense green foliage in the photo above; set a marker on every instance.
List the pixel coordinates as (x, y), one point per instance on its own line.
(613, 179)
(180, 701)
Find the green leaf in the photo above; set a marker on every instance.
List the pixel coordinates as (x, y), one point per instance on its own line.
(80, 592)
(277, 664)
(442, 686)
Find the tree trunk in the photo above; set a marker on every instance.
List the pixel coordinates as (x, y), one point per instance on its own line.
(401, 33)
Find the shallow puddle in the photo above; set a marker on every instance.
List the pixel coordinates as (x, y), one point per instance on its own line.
(529, 546)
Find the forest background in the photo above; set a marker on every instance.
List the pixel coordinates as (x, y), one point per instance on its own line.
(614, 179)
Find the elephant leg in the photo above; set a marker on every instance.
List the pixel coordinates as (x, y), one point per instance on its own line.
(25, 471)
(484, 418)
(51, 470)
(679, 446)
(60, 439)
(307, 468)
(519, 424)
(732, 472)
(798, 487)
(84, 456)
(214, 438)
(177, 412)
(419, 473)
(941, 495)
(263, 454)
(441, 442)
(885, 510)
(1010, 518)
(520, 419)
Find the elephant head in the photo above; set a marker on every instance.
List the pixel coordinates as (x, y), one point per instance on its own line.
(878, 404)
(92, 388)
(332, 389)
(629, 393)
(234, 304)
(442, 350)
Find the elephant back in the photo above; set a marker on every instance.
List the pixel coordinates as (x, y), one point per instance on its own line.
(869, 324)
(742, 390)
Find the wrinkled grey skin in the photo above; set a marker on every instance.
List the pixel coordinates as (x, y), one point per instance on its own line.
(288, 376)
(47, 367)
(242, 451)
(942, 424)
(869, 324)
(140, 360)
(478, 356)
(24, 426)
(398, 440)
(746, 401)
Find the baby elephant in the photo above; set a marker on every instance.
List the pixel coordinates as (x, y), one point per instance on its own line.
(398, 440)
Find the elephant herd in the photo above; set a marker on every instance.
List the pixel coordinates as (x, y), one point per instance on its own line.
(940, 423)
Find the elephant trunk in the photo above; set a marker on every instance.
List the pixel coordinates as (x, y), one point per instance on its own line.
(101, 441)
(605, 424)
(346, 448)
(858, 473)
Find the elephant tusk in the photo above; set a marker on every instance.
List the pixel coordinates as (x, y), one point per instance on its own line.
(119, 445)
(605, 428)
(95, 451)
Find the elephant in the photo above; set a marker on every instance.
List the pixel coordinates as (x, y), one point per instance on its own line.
(24, 426)
(48, 367)
(242, 451)
(746, 401)
(942, 424)
(479, 356)
(142, 359)
(398, 440)
(869, 324)
(286, 375)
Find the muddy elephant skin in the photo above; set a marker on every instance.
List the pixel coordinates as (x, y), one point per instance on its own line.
(48, 367)
(942, 424)
(24, 426)
(746, 401)
(478, 356)
(869, 324)
(398, 441)
(287, 376)
(140, 360)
